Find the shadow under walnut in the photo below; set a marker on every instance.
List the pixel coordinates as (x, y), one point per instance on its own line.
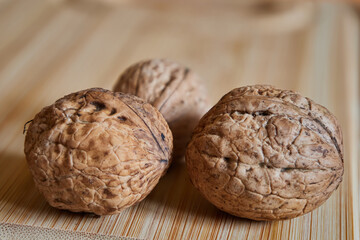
(23, 193)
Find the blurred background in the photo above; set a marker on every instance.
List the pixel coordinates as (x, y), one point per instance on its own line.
(55, 47)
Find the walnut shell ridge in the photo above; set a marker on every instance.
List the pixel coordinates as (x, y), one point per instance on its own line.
(97, 151)
(263, 153)
(173, 89)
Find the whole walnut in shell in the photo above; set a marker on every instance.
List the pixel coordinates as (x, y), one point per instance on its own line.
(264, 153)
(97, 151)
(173, 89)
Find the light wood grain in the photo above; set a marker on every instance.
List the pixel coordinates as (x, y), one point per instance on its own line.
(51, 48)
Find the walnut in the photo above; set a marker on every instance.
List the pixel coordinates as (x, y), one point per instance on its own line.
(173, 89)
(97, 151)
(264, 153)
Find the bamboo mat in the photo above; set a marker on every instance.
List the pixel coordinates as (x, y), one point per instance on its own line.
(51, 48)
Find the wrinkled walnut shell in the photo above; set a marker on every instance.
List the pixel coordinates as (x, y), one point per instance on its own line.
(97, 151)
(264, 153)
(173, 89)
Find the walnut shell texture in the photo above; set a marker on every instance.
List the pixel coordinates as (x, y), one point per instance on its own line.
(173, 89)
(97, 151)
(263, 153)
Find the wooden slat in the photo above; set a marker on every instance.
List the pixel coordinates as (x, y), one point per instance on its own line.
(51, 48)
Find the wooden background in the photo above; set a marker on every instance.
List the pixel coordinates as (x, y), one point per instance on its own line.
(54, 47)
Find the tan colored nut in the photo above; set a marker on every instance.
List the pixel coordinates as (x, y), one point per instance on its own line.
(173, 89)
(97, 151)
(264, 153)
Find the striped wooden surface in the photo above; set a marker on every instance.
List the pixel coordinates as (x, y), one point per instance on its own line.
(51, 48)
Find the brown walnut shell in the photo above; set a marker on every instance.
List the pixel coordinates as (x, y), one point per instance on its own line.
(263, 153)
(173, 89)
(97, 151)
